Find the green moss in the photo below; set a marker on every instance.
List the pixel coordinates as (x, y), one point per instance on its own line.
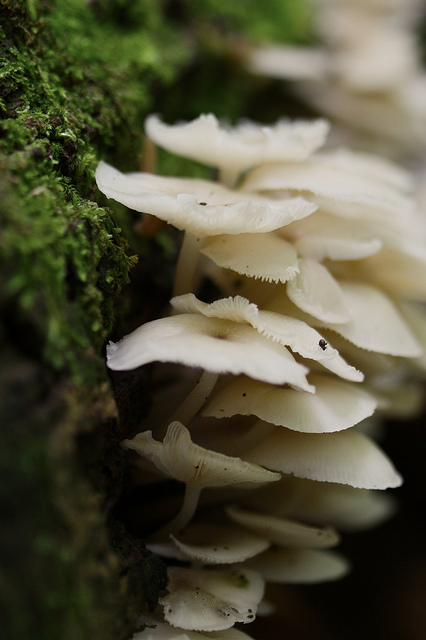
(63, 263)
(74, 82)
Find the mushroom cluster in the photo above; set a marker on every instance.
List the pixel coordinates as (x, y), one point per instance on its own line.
(366, 74)
(320, 257)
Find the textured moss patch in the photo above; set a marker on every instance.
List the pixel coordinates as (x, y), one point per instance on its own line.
(74, 82)
(63, 262)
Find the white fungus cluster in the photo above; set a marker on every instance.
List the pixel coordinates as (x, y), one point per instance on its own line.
(366, 74)
(321, 260)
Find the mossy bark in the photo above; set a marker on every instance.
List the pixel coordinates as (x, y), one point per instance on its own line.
(67, 571)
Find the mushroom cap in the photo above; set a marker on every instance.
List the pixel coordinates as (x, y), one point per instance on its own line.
(346, 457)
(323, 503)
(283, 532)
(178, 457)
(372, 319)
(300, 566)
(211, 600)
(342, 180)
(263, 256)
(342, 232)
(245, 145)
(336, 405)
(397, 273)
(158, 630)
(205, 208)
(218, 544)
(219, 346)
(316, 292)
(288, 331)
(288, 62)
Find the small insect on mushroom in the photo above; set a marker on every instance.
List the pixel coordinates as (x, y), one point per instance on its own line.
(203, 204)
(323, 344)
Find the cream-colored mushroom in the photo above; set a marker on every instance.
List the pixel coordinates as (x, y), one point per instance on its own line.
(299, 566)
(157, 629)
(372, 320)
(213, 344)
(263, 256)
(346, 457)
(283, 532)
(234, 149)
(331, 180)
(211, 543)
(206, 600)
(179, 458)
(202, 207)
(284, 329)
(335, 405)
(323, 503)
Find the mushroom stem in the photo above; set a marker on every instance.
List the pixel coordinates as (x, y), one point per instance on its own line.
(186, 264)
(181, 519)
(195, 400)
(229, 176)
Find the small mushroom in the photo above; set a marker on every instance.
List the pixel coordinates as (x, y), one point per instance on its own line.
(399, 274)
(218, 544)
(323, 503)
(346, 457)
(331, 180)
(336, 405)
(288, 331)
(299, 566)
(217, 345)
(234, 149)
(263, 256)
(316, 292)
(201, 207)
(211, 600)
(373, 321)
(159, 630)
(179, 458)
(283, 532)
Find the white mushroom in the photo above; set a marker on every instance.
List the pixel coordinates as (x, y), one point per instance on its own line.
(299, 566)
(323, 503)
(372, 321)
(179, 458)
(331, 180)
(335, 405)
(283, 532)
(216, 345)
(207, 600)
(264, 256)
(234, 149)
(218, 544)
(202, 207)
(157, 629)
(286, 330)
(316, 292)
(346, 457)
